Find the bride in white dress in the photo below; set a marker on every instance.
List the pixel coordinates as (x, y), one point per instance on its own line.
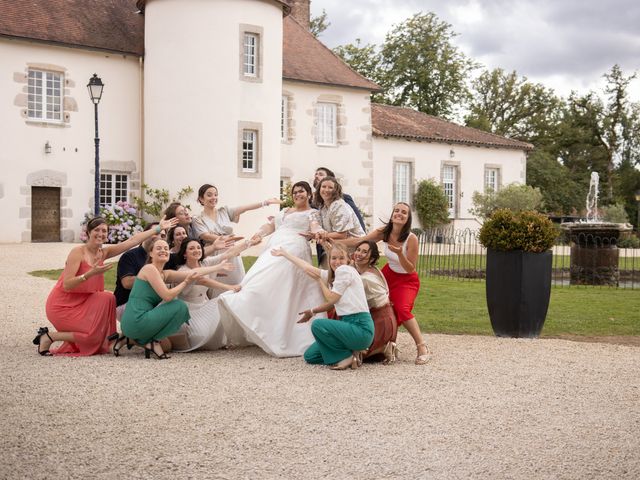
(265, 311)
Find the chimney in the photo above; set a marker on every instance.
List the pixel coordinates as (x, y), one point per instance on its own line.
(301, 11)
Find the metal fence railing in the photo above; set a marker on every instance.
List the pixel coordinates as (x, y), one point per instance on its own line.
(599, 261)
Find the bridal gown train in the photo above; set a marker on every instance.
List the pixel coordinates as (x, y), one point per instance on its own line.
(265, 312)
(204, 331)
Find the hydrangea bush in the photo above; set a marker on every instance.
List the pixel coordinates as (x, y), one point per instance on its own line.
(122, 219)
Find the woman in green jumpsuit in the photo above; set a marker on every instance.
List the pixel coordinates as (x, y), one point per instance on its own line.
(153, 312)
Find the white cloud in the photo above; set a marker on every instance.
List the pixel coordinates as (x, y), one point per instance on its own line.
(566, 45)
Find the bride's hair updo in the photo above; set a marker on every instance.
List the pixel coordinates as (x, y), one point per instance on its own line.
(303, 184)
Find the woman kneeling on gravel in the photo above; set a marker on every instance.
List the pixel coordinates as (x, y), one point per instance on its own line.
(338, 342)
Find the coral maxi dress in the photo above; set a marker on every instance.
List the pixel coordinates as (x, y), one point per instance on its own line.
(87, 310)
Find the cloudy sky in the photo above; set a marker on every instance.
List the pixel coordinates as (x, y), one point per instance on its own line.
(564, 44)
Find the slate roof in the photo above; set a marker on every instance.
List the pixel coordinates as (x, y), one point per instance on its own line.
(401, 122)
(111, 25)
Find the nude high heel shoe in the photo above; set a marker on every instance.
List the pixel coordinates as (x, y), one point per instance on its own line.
(390, 353)
(424, 358)
(349, 362)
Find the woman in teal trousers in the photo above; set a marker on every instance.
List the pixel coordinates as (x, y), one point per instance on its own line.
(339, 343)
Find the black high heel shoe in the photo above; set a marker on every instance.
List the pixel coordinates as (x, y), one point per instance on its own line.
(36, 341)
(149, 351)
(120, 341)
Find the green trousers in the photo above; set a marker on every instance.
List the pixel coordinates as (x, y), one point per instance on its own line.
(337, 339)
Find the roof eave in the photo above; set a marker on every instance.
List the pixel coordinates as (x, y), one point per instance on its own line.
(71, 45)
(526, 147)
(286, 8)
(340, 85)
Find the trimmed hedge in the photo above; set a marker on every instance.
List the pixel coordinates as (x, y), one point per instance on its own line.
(528, 231)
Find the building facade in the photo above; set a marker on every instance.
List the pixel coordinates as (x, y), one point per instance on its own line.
(236, 93)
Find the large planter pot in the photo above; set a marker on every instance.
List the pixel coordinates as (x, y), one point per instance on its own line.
(518, 291)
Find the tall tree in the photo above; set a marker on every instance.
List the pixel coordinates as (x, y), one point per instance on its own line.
(319, 23)
(423, 69)
(609, 120)
(417, 66)
(366, 60)
(504, 104)
(508, 105)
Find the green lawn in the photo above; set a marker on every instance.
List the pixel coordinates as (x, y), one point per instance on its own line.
(459, 307)
(454, 306)
(479, 262)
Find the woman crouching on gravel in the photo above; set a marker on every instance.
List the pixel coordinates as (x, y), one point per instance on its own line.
(365, 257)
(338, 342)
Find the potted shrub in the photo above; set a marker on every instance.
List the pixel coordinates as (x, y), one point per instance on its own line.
(519, 262)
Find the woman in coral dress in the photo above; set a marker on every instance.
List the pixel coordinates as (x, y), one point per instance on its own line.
(83, 314)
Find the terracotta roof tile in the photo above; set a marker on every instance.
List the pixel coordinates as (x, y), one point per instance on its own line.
(306, 59)
(111, 25)
(114, 25)
(401, 122)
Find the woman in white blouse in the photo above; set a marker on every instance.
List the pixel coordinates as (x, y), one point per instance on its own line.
(338, 218)
(337, 341)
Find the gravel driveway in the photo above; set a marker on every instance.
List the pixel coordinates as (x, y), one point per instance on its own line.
(483, 408)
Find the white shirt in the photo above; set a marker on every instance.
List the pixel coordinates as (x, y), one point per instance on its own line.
(392, 257)
(348, 284)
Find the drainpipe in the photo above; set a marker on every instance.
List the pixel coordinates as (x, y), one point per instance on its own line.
(142, 138)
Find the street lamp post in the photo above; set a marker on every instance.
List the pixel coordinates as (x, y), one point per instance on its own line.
(95, 87)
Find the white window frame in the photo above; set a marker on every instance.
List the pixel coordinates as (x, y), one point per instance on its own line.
(114, 187)
(491, 178)
(326, 114)
(45, 95)
(450, 187)
(402, 181)
(249, 150)
(251, 51)
(284, 118)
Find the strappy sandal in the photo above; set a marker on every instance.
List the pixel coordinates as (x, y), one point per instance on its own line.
(36, 341)
(390, 353)
(120, 341)
(424, 358)
(149, 351)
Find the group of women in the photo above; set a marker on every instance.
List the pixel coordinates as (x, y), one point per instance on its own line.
(357, 308)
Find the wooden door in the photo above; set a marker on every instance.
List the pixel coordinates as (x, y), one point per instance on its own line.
(45, 214)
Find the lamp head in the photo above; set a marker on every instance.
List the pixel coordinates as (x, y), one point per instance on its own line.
(95, 87)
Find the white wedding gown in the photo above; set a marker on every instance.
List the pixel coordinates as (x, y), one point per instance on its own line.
(265, 312)
(204, 330)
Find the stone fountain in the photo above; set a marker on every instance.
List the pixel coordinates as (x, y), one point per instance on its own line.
(594, 244)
